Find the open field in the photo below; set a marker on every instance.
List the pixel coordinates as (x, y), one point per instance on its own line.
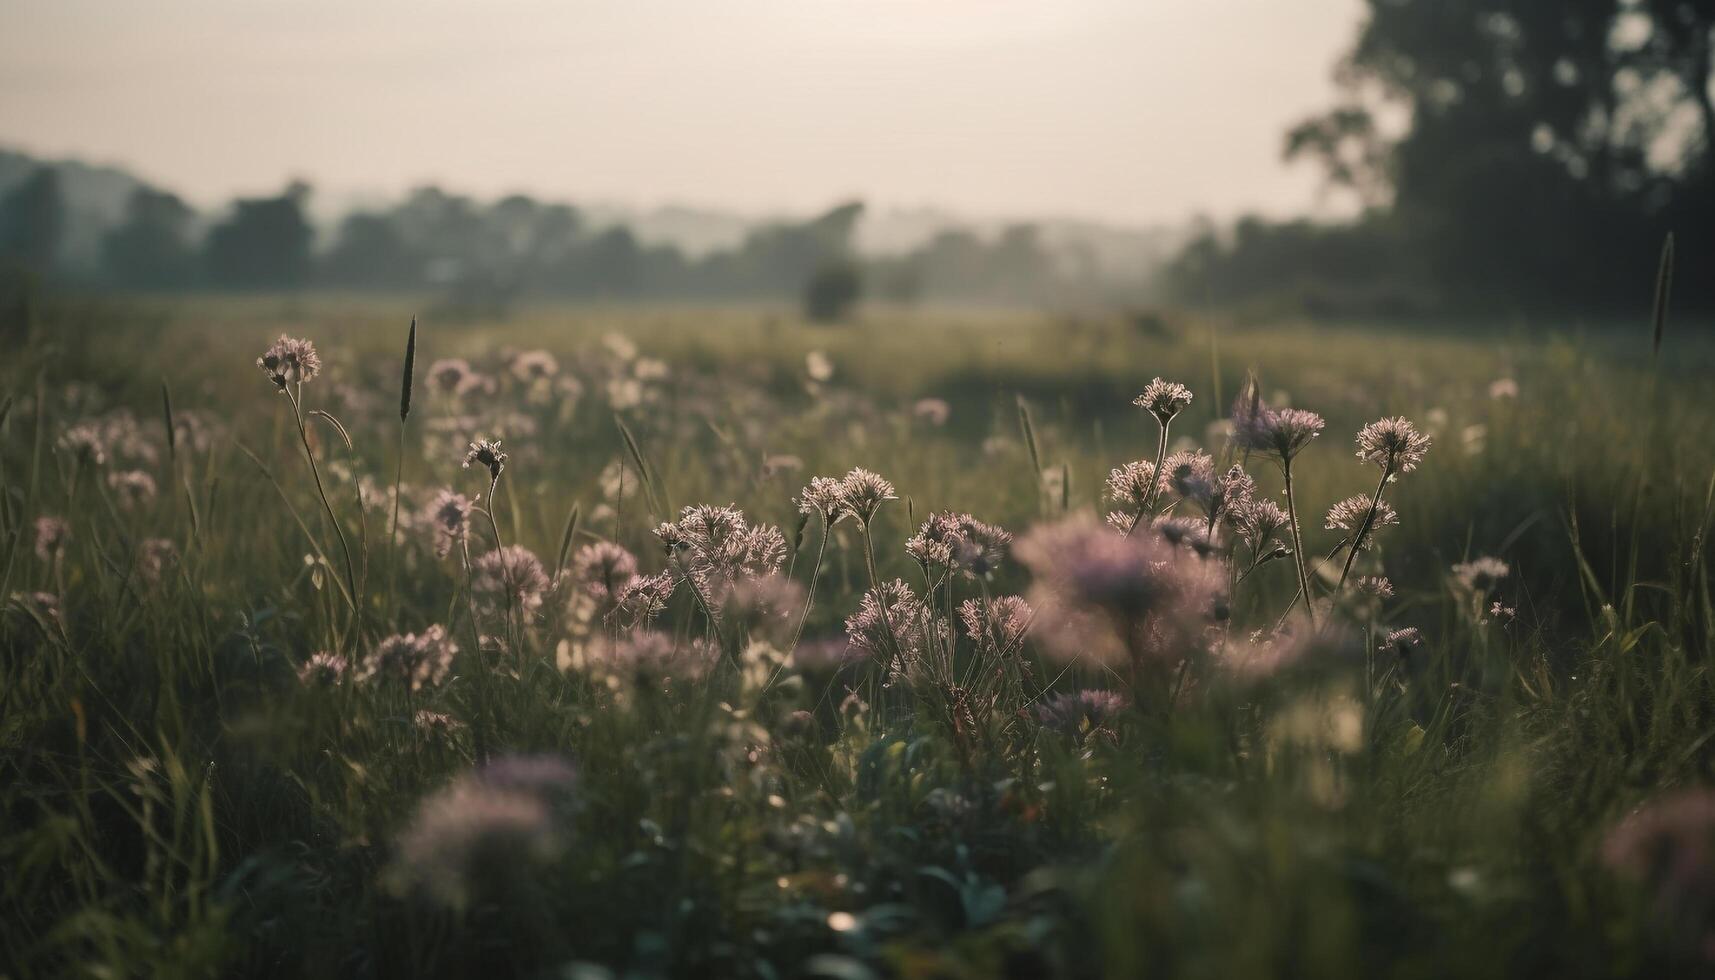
(705, 775)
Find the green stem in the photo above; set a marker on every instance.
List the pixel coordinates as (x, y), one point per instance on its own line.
(483, 709)
(1154, 481)
(1364, 529)
(810, 593)
(393, 536)
(505, 571)
(316, 473)
(1297, 543)
(809, 600)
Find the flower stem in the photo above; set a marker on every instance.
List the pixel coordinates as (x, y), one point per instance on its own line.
(315, 471)
(393, 536)
(1364, 529)
(1297, 543)
(483, 709)
(881, 597)
(809, 600)
(1154, 480)
(810, 593)
(505, 572)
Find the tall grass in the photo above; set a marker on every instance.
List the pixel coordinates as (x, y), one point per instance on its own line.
(188, 789)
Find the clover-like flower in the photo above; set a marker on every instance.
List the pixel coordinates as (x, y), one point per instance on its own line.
(1082, 715)
(1353, 513)
(1393, 444)
(449, 515)
(487, 454)
(1131, 485)
(824, 496)
(1190, 475)
(996, 625)
(512, 574)
(960, 541)
(1479, 575)
(603, 568)
(1164, 399)
(862, 493)
(52, 533)
(323, 669)
(290, 361)
(1277, 432)
(417, 659)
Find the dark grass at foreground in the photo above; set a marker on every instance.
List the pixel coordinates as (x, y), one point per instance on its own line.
(245, 733)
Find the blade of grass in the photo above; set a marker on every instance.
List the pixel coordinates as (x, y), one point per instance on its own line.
(566, 541)
(646, 473)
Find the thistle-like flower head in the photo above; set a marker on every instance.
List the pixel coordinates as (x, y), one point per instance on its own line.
(417, 659)
(1401, 641)
(85, 442)
(603, 568)
(1479, 575)
(449, 515)
(1375, 587)
(1353, 513)
(290, 361)
(1233, 489)
(532, 365)
(487, 454)
(960, 541)
(1114, 598)
(1082, 714)
(1164, 399)
(134, 488)
(1130, 485)
(480, 835)
(155, 556)
(891, 622)
(1190, 475)
(52, 533)
(862, 493)
(323, 669)
(512, 574)
(1257, 520)
(996, 625)
(823, 497)
(1393, 444)
(1278, 432)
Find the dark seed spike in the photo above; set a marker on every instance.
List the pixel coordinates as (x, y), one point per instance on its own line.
(410, 369)
(167, 412)
(1663, 289)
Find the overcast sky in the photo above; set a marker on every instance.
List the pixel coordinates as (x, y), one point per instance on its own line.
(1121, 110)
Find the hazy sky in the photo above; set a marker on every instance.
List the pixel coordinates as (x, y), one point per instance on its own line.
(1123, 110)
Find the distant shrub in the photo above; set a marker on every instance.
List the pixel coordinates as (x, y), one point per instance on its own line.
(833, 292)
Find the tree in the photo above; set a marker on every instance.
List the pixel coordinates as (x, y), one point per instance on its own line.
(265, 244)
(1549, 146)
(832, 292)
(152, 249)
(371, 251)
(33, 222)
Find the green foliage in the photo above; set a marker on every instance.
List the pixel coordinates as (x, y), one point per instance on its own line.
(1544, 152)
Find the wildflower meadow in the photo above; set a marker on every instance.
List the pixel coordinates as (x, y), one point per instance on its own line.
(659, 642)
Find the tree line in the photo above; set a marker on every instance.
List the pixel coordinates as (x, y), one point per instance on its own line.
(1506, 155)
(489, 254)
